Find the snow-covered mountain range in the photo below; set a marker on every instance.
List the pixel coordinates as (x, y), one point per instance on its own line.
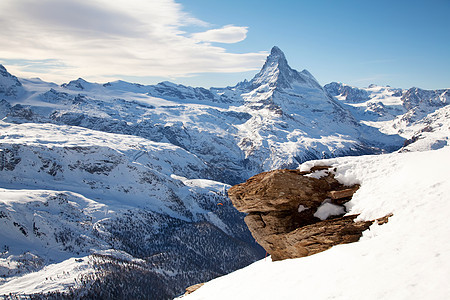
(407, 113)
(137, 174)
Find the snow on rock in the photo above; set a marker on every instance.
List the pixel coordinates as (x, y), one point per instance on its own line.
(415, 97)
(302, 208)
(406, 258)
(277, 73)
(327, 209)
(87, 161)
(47, 226)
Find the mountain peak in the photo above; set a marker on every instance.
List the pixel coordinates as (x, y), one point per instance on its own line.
(5, 73)
(2, 69)
(277, 57)
(277, 73)
(277, 53)
(9, 84)
(79, 84)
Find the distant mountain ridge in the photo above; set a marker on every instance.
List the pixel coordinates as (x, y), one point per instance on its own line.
(404, 109)
(277, 99)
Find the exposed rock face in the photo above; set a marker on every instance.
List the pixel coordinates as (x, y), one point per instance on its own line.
(193, 288)
(349, 93)
(416, 97)
(295, 214)
(10, 86)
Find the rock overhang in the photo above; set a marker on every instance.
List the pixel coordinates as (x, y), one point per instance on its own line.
(283, 211)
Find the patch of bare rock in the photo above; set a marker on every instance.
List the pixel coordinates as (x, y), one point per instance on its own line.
(293, 214)
(193, 288)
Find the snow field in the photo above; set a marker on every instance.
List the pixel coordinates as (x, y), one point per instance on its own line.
(54, 277)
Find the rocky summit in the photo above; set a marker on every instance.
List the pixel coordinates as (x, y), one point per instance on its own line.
(294, 214)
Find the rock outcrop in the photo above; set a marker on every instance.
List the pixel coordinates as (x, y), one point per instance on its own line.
(294, 214)
(193, 288)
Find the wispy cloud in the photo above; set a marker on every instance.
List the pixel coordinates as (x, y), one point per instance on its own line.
(227, 34)
(99, 38)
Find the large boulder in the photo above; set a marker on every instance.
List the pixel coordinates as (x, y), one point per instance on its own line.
(294, 214)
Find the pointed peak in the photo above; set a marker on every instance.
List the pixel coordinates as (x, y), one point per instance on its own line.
(276, 72)
(4, 72)
(276, 55)
(276, 51)
(9, 84)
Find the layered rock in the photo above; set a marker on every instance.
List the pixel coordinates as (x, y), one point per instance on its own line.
(294, 214)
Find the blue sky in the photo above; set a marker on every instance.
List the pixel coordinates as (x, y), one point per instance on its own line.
(401, 43)
(218, 43)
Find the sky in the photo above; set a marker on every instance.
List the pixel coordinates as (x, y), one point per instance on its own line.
(220, 43)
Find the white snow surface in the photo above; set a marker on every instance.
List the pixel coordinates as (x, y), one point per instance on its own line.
(54, 277)
(328, 209)
(406, 258)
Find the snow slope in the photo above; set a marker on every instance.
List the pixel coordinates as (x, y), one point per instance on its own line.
(54, 277)
(407, 258)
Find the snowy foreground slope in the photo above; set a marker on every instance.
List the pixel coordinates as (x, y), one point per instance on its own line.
(406, 258)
